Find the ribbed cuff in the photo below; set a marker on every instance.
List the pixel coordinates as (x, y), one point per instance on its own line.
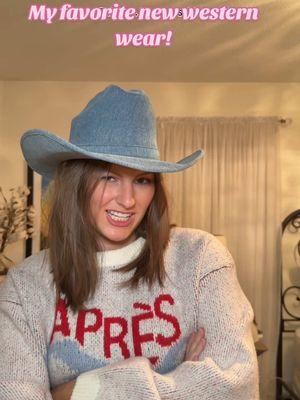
(86, 386)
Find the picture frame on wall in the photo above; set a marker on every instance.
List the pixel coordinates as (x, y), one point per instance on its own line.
(39, 198)
(30, 185)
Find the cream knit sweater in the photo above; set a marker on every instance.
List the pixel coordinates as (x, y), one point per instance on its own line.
(131, 344)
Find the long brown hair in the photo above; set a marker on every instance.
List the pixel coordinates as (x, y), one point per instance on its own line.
(72, 239)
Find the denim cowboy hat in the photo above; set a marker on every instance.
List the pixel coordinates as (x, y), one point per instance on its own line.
(117, 126)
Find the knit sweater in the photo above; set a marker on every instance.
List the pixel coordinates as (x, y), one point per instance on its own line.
(130, 344)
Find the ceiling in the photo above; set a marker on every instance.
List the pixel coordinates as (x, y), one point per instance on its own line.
(267, 50)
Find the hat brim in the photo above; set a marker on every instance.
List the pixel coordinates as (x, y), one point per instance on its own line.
(44, 151)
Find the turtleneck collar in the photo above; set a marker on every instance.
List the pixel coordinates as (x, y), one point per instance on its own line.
(122, 256)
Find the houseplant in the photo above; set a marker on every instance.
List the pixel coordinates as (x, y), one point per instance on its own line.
(16, 221)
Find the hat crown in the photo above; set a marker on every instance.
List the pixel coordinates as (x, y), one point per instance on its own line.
(118, 122)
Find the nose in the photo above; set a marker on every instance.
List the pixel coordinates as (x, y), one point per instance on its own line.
(126, 196)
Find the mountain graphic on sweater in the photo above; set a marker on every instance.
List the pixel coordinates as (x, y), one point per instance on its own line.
(68, 352)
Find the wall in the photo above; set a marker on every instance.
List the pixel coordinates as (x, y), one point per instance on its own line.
(51, 106)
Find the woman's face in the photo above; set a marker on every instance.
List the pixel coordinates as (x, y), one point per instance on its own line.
(119, 204)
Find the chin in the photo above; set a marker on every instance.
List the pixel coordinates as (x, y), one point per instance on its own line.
(117, 237)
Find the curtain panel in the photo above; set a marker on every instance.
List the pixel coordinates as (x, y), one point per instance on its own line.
(234, 190)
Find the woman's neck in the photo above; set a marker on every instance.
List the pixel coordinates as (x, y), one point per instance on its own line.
(121, 256)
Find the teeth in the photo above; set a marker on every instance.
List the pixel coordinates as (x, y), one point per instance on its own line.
(119, 216)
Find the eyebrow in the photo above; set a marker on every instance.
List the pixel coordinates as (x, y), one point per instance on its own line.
(141, 174)
(145, 173)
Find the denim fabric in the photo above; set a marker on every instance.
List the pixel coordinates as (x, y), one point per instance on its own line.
(117, 126)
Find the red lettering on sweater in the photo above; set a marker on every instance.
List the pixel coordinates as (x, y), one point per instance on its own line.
(109, 340)
(160, 339)
(63, 327)
(139, 336)
(81, 329)
(138, 339)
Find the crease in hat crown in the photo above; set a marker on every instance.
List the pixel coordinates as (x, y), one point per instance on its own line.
(117, 122)
(117, 126)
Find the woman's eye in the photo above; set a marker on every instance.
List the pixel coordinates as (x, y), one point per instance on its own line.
(108, 178)
(144, 181)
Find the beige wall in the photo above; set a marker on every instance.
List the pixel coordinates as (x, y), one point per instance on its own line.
(2, 164)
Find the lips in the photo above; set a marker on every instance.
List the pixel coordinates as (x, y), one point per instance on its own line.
(118, 218)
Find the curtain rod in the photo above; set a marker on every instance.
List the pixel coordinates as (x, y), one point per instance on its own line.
(281, 120)
(285, 121)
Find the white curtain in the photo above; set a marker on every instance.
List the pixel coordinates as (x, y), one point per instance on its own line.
(234, 190)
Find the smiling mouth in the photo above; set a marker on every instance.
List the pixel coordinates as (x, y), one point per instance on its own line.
(119, 216)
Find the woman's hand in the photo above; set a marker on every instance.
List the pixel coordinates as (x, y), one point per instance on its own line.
(64, 391)
(195, 346)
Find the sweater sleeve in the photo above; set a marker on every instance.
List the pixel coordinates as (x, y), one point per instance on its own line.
(23, 371)
(227, 368)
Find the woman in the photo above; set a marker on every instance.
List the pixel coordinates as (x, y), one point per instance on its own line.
(119, 292)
